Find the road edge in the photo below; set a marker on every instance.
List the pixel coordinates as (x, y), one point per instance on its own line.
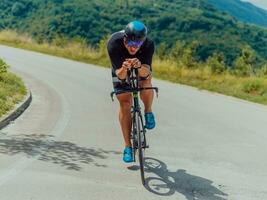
(17, 111)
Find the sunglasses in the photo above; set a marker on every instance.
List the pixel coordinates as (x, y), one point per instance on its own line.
(132, 43)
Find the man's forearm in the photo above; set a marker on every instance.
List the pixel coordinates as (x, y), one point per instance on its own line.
(144, 71)
(121, 73)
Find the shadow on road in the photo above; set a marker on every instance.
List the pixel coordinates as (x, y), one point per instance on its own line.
(165, 183)
(44, 148)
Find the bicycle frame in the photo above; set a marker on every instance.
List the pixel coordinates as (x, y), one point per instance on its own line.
(138, 131)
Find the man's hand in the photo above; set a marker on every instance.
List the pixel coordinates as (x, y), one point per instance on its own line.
(127, 64)
(135, 62)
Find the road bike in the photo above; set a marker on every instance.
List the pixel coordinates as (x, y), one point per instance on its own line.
(138, 131)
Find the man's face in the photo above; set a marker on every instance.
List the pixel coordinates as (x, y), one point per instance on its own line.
(132, 46)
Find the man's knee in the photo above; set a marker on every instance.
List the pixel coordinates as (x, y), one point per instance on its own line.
(125, 101)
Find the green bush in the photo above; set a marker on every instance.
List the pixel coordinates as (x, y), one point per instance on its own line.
(60, 41)
(216, 63)
(18, 9)
(3, 66)
(162, 51)
(244, 64)
(253, 87)
(12, 89)
(263, 71)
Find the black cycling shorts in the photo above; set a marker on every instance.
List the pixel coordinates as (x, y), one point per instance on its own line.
(122, 87)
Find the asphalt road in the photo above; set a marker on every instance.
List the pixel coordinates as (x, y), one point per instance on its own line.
(67, 145)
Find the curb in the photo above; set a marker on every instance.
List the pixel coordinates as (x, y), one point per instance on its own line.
(17, 111)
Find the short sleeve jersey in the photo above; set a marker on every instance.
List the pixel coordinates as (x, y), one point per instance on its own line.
(118, 52)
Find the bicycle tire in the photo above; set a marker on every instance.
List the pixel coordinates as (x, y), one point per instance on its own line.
(140, 136)
(134, 136)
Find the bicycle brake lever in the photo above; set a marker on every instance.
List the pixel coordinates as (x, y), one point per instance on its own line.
(111, 95)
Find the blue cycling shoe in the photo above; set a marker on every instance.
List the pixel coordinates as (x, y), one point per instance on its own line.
(128, 155)
(150, 120)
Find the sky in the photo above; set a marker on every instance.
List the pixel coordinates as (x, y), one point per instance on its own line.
(259, 3)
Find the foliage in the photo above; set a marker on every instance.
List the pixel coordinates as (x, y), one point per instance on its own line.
(244, 64)
(12, 89)
(216, 63)
(184, 53)
(162, 51)
(243, 11)
(263, 71)
(252, 86)
(167, 21)
(177, 50)
(188, 57)
(3, 66)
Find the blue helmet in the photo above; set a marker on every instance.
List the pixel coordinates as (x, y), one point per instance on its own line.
(135, 31)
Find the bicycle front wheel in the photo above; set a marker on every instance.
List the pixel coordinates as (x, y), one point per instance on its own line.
(141, 143)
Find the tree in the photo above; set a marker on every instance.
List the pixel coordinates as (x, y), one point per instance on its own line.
(18, 9)
(216, 62)
(162, 50)
(244, 63)
(189, 52)
(263, 70)
(177, 50)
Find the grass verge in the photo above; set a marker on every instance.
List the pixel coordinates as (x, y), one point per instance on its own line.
(12, 89)
(249, 88)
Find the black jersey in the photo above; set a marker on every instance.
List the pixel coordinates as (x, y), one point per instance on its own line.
(118, 52)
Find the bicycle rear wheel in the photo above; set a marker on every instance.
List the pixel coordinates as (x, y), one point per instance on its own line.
(141, 143)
